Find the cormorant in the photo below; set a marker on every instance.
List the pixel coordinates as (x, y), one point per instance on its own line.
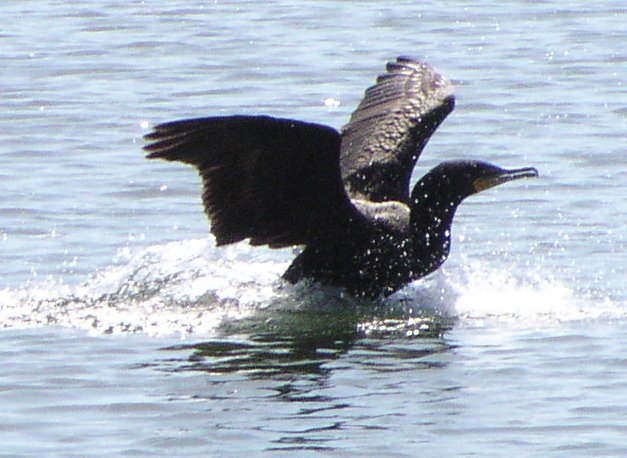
(344, 196)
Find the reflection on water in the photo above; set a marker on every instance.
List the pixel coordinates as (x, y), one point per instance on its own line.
(304, 373)
(278, 357)
(262, 356)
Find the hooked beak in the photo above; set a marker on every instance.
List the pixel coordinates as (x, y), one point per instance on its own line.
(481, 184)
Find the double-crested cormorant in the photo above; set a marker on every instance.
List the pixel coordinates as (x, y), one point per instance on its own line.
(344, 196)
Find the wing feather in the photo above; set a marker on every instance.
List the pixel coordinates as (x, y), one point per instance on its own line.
(273, 181)
(389, 129)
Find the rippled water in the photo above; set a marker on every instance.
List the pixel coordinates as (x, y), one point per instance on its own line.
(127, 332)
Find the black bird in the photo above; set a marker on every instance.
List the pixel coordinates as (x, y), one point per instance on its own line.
(344, 196)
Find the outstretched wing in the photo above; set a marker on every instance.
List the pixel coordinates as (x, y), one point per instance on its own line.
(389, 129)
(275, 181)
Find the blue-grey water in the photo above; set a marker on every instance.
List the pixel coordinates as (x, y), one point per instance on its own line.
(126, 332)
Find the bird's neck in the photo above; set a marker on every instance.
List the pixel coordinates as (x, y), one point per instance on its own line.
(431, 218)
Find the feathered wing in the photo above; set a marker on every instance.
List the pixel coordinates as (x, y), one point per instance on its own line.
(275, 181)
(389, 129)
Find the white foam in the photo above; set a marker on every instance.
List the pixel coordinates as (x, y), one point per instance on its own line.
(180, 287)
(485, 293)
(190, 287)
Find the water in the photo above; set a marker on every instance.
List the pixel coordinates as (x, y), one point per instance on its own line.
(127, 332)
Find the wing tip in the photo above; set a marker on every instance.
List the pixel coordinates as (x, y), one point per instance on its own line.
(406, 63)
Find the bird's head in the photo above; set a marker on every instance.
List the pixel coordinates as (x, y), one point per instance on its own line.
(451, 182)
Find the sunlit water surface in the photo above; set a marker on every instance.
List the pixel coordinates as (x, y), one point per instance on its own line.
(128, 333)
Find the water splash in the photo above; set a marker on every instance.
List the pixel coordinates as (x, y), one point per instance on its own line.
(180, 287)
(190, 287)
(522, 297)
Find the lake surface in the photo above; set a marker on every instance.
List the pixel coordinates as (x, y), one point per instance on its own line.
(126, 332)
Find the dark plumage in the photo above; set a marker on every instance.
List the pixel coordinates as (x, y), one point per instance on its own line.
(345, 197)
